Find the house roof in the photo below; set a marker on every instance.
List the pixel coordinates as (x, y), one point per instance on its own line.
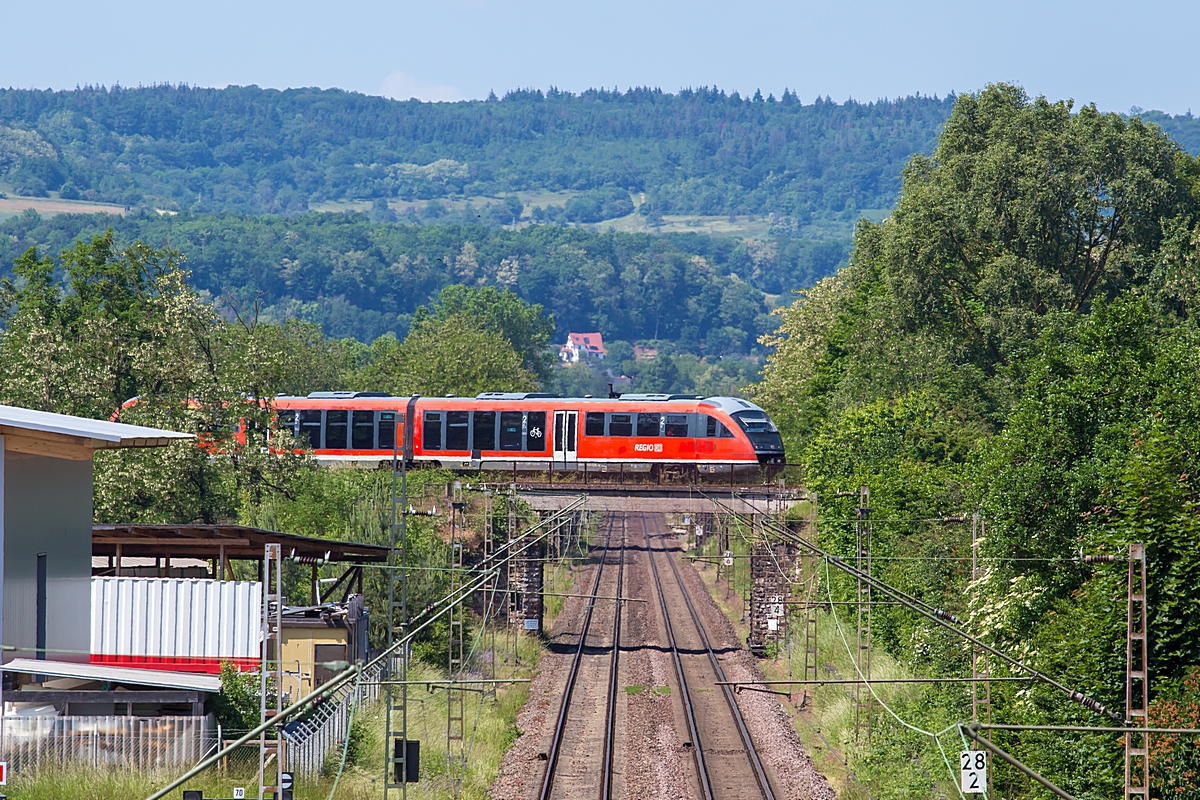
(592, 342)
(118, 675)
(95, 433)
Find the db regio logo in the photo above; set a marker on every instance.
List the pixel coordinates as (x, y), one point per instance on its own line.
(648, 448)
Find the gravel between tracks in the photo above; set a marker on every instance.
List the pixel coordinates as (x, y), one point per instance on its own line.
(769, 724)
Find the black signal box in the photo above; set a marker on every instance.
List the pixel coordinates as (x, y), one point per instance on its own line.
(411, 754)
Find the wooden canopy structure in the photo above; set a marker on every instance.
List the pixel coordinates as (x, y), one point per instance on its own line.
(220, 544)
(228, 542)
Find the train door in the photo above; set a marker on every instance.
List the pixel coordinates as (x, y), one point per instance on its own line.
(566, 436)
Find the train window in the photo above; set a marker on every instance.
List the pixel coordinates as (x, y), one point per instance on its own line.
(620, 424)
(336, 428)
(677, 425)
(362, 434)
(484, 431)
(458, 430)
(387, 430)
(593, 424)
(716, 430)
(535, 431)
(649, 424)
(755, 422)
(510, 430)
(431, 432)
(286, 421)
(310, 429)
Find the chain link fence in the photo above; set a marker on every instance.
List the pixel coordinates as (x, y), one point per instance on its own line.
(309, 741)
(134, 743)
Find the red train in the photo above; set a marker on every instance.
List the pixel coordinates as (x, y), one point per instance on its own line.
(531, 431)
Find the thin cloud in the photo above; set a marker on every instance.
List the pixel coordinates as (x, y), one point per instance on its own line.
(402, 86)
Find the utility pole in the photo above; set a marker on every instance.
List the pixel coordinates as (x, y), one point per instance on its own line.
(454, 662)
(512, 636)
(863, 702)
(490, 613)
(981, 687)
(270, 671)
(810, 568)
(395, 739)
(1137, 680)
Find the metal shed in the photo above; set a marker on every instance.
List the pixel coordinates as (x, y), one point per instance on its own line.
(46, 522)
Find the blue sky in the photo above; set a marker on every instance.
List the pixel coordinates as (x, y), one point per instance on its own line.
(1116, 54)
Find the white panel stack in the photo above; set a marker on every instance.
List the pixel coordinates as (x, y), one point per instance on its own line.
(178, 623)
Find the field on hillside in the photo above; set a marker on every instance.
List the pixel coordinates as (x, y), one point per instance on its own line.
(49, 206)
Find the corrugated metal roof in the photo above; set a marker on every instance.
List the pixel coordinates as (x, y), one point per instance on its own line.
(104, 434)
(120, 675)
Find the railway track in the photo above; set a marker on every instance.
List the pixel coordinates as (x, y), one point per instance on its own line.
(727, 764)
(587, 715)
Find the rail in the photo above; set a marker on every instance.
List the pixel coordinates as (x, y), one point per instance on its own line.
(560, 724)
(760, 776)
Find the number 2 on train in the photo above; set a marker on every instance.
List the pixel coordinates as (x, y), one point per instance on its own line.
(973, 766)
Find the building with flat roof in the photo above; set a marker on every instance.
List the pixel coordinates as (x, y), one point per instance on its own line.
(46, 526)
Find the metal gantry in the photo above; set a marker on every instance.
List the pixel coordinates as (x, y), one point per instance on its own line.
(490, 612)
(863, 701)
(270, 671)
(1137, 679)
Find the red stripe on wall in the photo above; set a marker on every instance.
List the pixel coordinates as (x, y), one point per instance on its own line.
(209, 666)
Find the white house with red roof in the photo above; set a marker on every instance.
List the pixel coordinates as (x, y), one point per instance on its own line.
(582, 346)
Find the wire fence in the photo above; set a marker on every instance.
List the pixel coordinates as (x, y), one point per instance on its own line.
(133, 743)
(309, 741)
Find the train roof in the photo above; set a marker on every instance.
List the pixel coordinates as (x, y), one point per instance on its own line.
(730, 405)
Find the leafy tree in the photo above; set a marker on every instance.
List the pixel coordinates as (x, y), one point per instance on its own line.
(237, 704)
(523, 325)
(452, 355)
(658, 374)
(86, 332)
(1026, 209)
(360, 279)
(1019, 338)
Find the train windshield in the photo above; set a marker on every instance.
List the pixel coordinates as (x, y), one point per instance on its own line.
(755, 422)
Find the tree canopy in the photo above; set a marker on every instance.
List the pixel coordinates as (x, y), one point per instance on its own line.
(1018, 339)
(362, 279)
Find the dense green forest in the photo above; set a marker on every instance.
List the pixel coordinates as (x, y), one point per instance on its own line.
(1019, 338)
(255, 150)
(362, 279)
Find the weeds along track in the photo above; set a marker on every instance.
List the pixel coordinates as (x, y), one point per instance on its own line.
(580, 760)
(727, 764)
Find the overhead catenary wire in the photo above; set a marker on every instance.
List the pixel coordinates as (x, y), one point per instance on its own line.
(937, 616)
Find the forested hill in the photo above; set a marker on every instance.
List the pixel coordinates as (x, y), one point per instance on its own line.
(361, 279)
(257, 150)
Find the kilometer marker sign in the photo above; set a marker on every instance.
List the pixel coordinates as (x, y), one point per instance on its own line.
(973, 766)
